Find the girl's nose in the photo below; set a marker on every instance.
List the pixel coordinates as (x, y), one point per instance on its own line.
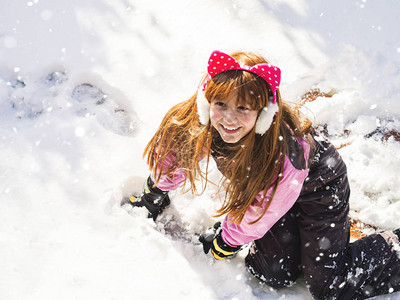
(230, 115)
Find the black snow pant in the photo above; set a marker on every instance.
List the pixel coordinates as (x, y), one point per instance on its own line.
(314, 238)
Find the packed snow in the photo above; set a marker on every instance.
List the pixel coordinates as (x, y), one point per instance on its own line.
(83, 87)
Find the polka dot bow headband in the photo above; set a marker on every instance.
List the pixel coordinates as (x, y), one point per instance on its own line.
(221, 62)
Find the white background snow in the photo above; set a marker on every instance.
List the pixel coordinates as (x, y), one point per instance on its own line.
(67, 161)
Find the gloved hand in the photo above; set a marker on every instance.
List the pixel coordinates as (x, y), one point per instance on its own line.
(212, 239)
(154, 199)
(397, 232)
(207, 237)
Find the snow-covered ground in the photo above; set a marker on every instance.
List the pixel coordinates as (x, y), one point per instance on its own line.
(83, 86)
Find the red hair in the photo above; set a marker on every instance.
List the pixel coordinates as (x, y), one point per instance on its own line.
(249, 166)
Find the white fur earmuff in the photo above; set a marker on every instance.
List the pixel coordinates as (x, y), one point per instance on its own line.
(266, 117)
(203, 107)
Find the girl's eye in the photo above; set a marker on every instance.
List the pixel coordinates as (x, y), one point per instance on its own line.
(219, 103)
(243, 108)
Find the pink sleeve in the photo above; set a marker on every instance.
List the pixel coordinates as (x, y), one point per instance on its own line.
(286, 195)
(169, 183)
(174, 181)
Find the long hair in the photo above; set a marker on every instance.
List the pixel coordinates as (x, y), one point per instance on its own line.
(249, 166)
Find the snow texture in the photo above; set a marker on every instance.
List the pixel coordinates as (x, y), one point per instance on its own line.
(84, 85)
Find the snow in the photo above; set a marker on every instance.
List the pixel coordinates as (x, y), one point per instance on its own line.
(84, 85)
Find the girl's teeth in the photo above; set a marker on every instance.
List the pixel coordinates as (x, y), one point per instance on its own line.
(231, 128)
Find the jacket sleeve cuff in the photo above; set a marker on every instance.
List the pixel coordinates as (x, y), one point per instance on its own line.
(221, 250)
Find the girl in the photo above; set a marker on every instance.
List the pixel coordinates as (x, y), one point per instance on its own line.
(286, 190)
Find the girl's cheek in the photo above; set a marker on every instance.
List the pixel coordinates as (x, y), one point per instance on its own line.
(214, 113)
(249, 118)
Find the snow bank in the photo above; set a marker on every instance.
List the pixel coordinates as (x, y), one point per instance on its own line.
(83, 86)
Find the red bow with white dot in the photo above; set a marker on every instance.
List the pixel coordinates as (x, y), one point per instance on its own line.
(221, 62)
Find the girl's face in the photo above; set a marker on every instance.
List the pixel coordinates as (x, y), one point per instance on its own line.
(232, 120)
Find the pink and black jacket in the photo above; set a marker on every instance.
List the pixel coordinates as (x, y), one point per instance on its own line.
(294, 173)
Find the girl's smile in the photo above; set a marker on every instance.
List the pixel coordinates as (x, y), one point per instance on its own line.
(231, 119)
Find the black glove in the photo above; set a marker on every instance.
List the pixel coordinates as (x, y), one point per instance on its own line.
(212, 239)
(207, 237)
(154, 199)
(397, 232)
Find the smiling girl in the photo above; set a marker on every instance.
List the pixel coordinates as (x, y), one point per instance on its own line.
(287, 191)
(232, 121)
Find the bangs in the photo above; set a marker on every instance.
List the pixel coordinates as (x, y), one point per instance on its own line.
(251, 89)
